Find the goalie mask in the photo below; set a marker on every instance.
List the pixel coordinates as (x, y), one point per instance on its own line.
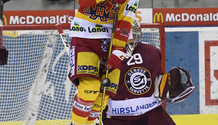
(137, 35)
(175, 86)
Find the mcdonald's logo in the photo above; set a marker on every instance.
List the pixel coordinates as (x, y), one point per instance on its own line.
(158, 18)
(5, 22)
(8, 32)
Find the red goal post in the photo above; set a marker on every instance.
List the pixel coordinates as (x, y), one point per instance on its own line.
(156, 37)
(34, 85)
(159, 40)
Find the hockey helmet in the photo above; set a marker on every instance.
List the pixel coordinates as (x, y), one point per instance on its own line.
(137, 35)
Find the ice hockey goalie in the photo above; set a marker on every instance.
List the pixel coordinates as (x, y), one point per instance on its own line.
(174, 86)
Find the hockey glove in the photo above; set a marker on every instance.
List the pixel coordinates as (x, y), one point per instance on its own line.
(115, 59)
(5, 1)
(103, 62)
(175, 86)
(3, 55)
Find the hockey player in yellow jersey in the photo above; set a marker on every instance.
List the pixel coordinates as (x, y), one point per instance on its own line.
(91, 31)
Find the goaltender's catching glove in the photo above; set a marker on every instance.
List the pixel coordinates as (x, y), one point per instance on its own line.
(175, 86)
(115, 59)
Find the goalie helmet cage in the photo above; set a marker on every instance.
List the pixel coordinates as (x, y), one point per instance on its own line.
(34, 85)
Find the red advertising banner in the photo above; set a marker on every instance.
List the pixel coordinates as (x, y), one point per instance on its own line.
(167, 16)
(186, 16)
(41, 19)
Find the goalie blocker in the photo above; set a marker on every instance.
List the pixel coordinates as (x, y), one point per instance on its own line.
(174, 86)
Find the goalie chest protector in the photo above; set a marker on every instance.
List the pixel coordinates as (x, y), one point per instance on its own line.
(138, 73)
(136, 86)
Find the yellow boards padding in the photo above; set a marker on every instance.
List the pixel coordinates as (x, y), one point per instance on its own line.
(197, 119)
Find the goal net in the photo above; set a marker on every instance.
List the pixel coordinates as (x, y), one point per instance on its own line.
(34, 85)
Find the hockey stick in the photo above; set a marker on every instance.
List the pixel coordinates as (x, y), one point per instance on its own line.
(63, 39)
(1, 21)
(3, 51)
(105, 82)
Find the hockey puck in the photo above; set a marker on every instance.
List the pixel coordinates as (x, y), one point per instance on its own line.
(105, 82)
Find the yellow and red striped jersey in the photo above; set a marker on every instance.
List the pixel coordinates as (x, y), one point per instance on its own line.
(94, 20)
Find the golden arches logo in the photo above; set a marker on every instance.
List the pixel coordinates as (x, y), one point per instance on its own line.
(158, 18)
(5, 20)
(10, 33)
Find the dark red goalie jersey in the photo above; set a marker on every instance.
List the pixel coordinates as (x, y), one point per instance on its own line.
(138, 72)
(136, 87)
